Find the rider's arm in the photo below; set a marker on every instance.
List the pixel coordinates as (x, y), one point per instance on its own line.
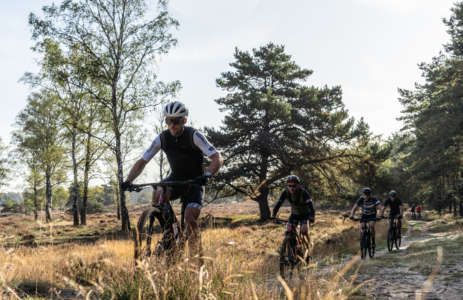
(357, 204)
(380, 207)
(279, 203)
(401, 207)
(136, 170)
(202, 143)
(378, 204)
(139, 166)
(308, 201)
(216, 163)
(354, 209)
(384, 207)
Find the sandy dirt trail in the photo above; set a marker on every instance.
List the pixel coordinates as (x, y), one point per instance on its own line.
(399, 282)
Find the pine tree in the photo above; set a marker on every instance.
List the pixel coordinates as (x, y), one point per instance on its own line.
(275, 125)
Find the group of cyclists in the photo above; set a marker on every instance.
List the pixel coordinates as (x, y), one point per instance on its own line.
(185, 148)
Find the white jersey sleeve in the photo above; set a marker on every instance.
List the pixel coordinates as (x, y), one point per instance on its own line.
(200, 141)
(153, 149)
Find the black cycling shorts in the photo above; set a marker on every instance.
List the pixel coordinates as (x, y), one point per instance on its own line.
(301, 218)
(369, 217)
(191, 196)
(394, 213)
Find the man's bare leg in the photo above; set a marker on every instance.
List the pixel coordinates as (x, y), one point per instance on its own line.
(372, 229)
(194, 235)
(305, 238)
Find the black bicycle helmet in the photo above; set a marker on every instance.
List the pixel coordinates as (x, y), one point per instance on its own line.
(393, 194)
(367, 191)
(293, 178)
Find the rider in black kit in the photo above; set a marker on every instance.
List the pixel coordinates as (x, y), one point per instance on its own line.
(369, 205)
(185, 148)
(396, 210)
(302, 208)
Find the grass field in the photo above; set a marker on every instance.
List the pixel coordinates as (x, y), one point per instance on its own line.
(241, 255)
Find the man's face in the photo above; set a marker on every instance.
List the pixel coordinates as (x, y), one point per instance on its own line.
(366, 196)
(392, 198)
(292, 187)
(175, 130)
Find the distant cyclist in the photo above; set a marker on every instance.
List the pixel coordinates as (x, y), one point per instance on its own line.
(369, 206)
(302, 208)
(185, 148)
(418, 210)
(396, 209)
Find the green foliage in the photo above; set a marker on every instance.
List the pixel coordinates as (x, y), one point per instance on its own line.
(433, 127)
(60, 196)
(144, 198)
(4, 164)
(9, 205)
(275, 126)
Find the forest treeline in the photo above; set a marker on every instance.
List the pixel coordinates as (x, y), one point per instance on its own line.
(96, 99)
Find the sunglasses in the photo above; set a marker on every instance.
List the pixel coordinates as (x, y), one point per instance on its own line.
(292, 185)
(174, 121)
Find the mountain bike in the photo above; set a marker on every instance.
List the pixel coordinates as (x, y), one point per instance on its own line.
(172, 232)
(365, 238)
(292, 252)
(393, 235)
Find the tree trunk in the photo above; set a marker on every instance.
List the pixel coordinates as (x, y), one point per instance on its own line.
(36, 207)
(75, 187)
(120, 177)
(450, 207)
(117, 203)
(48, 198)
(454, 207)
(83, 210)
(264, 209)
(439, 208)
(461, 208)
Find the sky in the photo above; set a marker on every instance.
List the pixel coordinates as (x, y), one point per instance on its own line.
(368, 47)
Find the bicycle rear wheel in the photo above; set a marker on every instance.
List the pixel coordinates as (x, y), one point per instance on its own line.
(143, 245)
(390, 237)
(287, 258)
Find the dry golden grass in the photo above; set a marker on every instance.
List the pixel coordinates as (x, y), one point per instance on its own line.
(241, 263)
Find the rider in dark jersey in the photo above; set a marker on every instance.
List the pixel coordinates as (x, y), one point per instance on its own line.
(396, 209)
(369, 205)
(302, 208)
(185, 148)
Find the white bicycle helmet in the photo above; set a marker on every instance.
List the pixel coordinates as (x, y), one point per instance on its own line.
(175, 109)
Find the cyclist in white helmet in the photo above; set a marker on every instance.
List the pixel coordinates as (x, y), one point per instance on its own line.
(185, 148)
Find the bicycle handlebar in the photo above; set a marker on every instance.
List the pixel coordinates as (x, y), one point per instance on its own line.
(138, 187)
(392, 217)
(364, 220)
(287, 221)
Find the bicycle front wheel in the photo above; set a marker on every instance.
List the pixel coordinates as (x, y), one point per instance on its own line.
(397, 239)
(363, 245)
(390, 237)
(143, 238)
(371, 250)
(287, 258)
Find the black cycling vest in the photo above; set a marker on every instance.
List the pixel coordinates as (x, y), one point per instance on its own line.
(185, 159)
